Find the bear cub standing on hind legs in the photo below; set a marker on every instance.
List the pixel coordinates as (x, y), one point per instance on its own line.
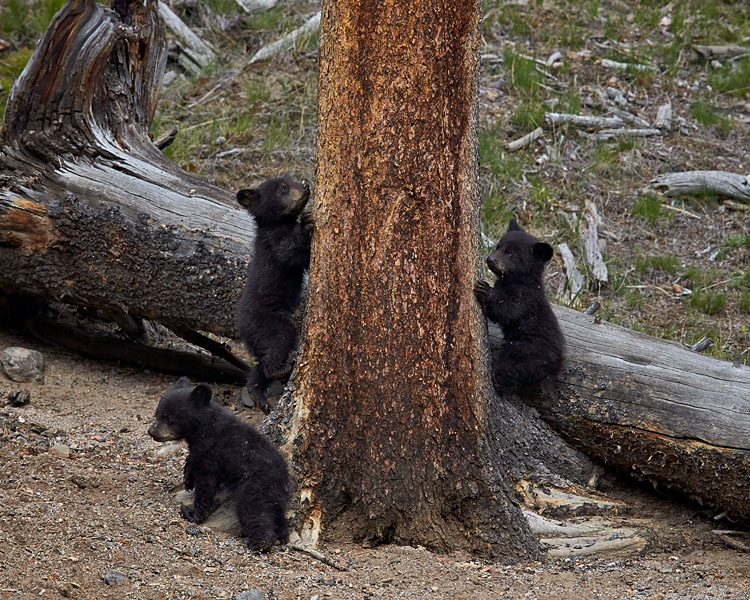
(274, 279)
(533, 345)
(227, 457)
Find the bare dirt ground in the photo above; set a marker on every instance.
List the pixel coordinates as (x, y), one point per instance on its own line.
(86, 496)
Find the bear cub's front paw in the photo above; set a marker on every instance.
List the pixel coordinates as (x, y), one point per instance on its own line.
(307, 222)
(482, 291)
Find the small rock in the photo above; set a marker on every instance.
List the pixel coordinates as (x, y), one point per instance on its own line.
(60, 450)
(22, 365)
(193, 529)
(220, 141)
(114, 577)
(253, 594)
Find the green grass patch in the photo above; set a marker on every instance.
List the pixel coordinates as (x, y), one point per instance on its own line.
(222, 7)
(571, 101)
(732, 78)
(11, 67)
(257, 91)
(44, 12)
(668, 263)
(506, 167)
(528, 115)
(707, 301)
(13, 17)
(648, 206)
(495, 215)
(541, 195)
(521, 72)
(268, 20)
(707, 116)
(745, 302)
(634, 299)
(737, 240)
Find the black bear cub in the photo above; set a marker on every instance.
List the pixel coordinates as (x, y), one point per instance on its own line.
(533, 345)
(274, 279)
(226, 456)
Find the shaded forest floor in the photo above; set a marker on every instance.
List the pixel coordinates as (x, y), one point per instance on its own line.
(84, 492)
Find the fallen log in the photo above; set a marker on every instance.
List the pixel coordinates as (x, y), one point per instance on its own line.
(653, 409)
(721, 183)
(91, 212)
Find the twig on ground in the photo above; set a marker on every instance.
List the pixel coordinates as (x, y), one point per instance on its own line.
(681, 211)
(317, 555)
(621, 66)
(525, 140)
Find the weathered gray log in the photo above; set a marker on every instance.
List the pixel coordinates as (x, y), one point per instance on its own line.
(198, 54)
(728, 51)
(653, 409)
(91, 212)
(663, 117)
(287, 42)
(250, 6)
(722, 183)
(583, 121)
(623, 132)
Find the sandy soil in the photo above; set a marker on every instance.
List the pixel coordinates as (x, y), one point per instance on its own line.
(87, 497)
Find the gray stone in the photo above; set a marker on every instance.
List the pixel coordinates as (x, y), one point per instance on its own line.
(113, 577)
(60, 450)
(253, 594)
(22, 365)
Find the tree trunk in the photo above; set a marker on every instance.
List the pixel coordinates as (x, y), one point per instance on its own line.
(655, 410)
(392, 435)
(91, 212)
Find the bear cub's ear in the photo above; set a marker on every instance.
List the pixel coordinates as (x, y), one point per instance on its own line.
(514, 226)
(201, 394)
(542, 251)
(247, 197)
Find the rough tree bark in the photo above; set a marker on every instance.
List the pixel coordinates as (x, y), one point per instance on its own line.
(392, 436)
(91, 212)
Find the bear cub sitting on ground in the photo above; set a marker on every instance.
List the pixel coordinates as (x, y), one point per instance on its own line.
(226, 457)
(274, 279)
(533, 345)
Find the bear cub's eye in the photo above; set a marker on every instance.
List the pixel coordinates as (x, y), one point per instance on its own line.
(284, 189)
